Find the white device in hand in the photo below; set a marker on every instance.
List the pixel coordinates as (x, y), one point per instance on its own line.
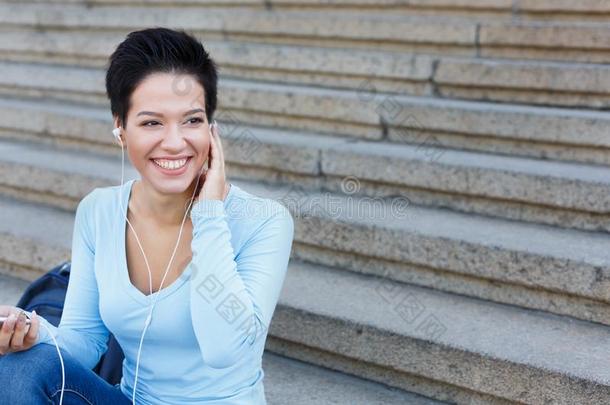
(5, 318)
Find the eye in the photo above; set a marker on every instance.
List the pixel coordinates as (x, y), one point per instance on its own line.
(197, 120)
(149, 122)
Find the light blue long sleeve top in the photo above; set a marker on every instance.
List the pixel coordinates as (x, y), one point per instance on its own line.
(206, 339)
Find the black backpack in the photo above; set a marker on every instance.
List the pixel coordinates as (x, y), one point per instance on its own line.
(47, 294)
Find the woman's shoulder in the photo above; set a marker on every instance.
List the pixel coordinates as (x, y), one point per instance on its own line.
(98, 201)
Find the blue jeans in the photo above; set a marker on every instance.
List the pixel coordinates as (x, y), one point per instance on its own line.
(34, 377)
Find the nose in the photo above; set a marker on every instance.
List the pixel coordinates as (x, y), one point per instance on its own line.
(173, 140)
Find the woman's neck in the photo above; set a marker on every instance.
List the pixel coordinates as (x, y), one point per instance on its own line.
(166, 210)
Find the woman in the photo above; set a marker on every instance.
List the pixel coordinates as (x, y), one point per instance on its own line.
(190, 310)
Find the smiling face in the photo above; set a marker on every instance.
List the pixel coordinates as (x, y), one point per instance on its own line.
(167, 135)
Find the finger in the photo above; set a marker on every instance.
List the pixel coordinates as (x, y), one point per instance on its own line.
(5, 310)
(218, 160)
(18, 334)
(213, 150)
(200, 185)
(6, 333)
(32, 335)
(210, 152)
(221, 153)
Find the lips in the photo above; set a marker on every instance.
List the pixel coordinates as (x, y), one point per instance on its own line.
(173, 172)
(172, 157)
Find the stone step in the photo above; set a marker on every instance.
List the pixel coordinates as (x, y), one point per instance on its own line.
(562, 271)
(535, 266)
(11, 289)
(447, 346)
(564, 194)
(554, 40)
(526, 82)
(512, 129)
(393, 72)
(587, 10)
(288, 380)
(575, 42)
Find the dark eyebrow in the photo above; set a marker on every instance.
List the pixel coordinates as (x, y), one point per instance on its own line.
(161, 115)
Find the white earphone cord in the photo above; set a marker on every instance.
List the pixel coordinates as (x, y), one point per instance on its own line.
(149, 317)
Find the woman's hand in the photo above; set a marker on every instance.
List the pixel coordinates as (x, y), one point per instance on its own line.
(212, 183)
(15, 335)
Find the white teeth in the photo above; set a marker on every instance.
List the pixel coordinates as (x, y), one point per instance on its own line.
(170, 164)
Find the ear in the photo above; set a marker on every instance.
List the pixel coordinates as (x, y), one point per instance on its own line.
(117, 124)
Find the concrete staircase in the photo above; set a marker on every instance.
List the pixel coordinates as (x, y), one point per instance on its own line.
(476, 132)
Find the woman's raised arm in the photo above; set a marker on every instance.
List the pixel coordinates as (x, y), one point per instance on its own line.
(233, 299)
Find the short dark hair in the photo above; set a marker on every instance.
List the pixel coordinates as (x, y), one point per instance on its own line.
(157, 50)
